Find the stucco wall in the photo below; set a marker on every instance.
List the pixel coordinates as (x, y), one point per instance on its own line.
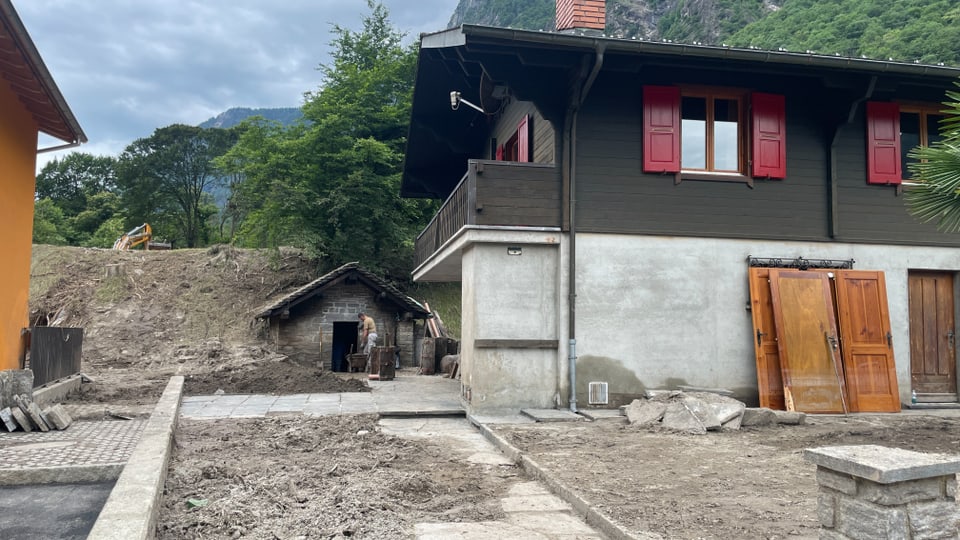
(509, 297)
(18, 152)
(655, 312)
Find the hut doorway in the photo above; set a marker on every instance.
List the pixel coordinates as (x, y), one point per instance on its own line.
(344, 343)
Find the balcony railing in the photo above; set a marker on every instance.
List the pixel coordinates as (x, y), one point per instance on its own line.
(495, 193)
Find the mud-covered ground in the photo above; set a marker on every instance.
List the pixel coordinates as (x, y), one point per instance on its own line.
(751, 483)
(317, 477)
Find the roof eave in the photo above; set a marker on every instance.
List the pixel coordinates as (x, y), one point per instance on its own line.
(22, 38)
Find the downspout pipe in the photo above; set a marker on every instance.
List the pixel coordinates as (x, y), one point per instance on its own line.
(834, 226)
(573, 113)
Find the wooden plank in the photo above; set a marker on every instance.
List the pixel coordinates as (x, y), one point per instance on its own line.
(516, 343)
(806, 334)
(869, 368)
(767, 354)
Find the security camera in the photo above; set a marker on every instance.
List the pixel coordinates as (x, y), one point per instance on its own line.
(456, 100)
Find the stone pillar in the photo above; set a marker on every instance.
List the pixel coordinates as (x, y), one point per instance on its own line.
(873, 492)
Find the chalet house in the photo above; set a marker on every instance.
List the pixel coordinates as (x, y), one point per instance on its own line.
(30, 103)
(318, 322)
(627, 215)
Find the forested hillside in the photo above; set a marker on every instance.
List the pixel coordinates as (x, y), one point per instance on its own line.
(232, 117)
(906, 30)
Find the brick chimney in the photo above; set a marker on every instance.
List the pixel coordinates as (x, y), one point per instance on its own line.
(588, 15)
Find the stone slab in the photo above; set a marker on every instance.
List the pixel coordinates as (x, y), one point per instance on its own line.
(7, 417)
(733, 424)
(680, 418)
(645, 412)
(790, 418)
(881, 464)
(725, 412)
(552, 415)
(601, 414)
(718, 391)
(758, 417)
(37, 416)
(58, 417)
(14, 382)
(21, 419)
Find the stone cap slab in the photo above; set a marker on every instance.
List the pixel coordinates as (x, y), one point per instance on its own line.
(552, 415)
(881, 464)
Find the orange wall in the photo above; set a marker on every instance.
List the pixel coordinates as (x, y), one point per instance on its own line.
(18, 156)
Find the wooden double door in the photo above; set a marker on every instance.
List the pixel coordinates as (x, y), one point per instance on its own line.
(823, 341)
(933, 360)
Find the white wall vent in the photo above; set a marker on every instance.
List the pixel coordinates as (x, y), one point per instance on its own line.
(597, 393)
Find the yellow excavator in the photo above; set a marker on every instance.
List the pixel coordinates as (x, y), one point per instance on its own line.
(137, 236)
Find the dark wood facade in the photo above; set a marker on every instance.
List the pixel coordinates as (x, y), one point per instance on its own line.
(824, 196)
(495, 193)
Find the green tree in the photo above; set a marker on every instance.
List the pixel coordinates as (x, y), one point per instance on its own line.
(49, 224)
(936, 169)
(165, 180)
(331, 185)
(82, 186)
(68, 181)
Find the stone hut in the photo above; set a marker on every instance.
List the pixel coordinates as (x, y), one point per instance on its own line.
(318, 322)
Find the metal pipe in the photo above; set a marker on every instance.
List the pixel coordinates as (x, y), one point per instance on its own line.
(832, 193)
(572, 115)
(59, 147)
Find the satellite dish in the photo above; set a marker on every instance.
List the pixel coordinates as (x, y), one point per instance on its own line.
(492, 95)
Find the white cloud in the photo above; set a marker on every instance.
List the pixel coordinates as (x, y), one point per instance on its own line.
(128, 67)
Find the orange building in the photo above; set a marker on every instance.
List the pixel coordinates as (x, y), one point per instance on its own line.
(30, 103)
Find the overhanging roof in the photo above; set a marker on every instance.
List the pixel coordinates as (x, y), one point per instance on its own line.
(441, 141)
(336, 277)
(23, 68)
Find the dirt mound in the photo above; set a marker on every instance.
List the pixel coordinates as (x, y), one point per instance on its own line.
(148, 315)
(270, 377)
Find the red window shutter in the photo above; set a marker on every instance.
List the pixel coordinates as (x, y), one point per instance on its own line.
(883, 143)
(661, 129)
(769, 135)
(523, 140)
(500, 153)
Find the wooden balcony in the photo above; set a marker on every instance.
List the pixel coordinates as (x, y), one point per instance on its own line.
(495, 193)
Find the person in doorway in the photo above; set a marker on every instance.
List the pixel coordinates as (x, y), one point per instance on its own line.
(369, 339)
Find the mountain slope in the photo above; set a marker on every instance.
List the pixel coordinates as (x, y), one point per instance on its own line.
(709, 21)
(907, 30)
(232, 117)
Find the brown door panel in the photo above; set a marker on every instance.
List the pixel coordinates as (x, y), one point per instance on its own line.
(867, 346)
(808, 341)
(769, 380)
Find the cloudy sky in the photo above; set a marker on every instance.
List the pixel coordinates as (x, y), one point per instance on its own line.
(127, 67)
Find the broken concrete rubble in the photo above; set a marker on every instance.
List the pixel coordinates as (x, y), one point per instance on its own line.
(689, 412)
(644, 412)
(700, 411)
